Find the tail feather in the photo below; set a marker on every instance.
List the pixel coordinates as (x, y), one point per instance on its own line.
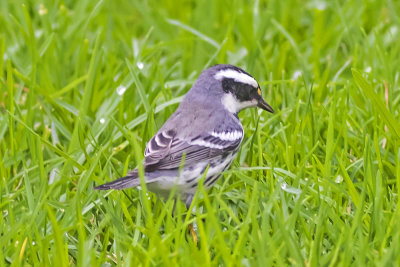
(131, 180)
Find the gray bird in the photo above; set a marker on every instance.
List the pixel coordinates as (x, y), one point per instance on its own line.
(204, 131)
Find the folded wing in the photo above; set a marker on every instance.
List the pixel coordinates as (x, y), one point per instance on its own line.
(165, 151)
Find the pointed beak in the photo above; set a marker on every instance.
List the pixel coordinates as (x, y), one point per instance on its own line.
(264, 105)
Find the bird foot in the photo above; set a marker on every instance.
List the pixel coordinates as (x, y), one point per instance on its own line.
(192, 232)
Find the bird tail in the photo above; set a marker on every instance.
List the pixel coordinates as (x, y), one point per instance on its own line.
(131, 180)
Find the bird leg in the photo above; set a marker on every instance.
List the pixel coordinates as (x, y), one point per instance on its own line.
(192, 228)
(192, 232)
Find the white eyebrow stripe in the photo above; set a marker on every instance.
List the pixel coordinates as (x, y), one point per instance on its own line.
(237, 76)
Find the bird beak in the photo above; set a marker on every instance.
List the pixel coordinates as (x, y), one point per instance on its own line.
(264, 105)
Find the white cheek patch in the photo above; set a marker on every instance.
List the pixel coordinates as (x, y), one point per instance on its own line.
(232, 105)
(236, 76)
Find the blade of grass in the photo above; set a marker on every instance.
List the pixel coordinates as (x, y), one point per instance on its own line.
(368, 90)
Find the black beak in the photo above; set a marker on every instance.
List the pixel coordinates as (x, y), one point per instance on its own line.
(264, 105)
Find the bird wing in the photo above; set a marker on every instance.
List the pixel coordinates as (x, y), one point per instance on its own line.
(165, 150)
(158, 146)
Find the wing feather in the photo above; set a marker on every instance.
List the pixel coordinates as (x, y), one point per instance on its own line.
(167, 153)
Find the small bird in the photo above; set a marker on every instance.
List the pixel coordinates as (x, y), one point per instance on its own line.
(203, 134)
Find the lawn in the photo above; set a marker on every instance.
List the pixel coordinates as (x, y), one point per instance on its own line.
(85, 84)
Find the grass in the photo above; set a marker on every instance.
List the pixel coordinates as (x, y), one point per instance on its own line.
(85, 84)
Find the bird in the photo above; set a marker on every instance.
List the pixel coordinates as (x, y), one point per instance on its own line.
(201, 138)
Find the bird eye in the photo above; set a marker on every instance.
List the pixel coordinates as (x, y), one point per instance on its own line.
(259, 91)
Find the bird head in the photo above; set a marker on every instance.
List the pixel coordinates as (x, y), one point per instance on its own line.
(239, 89)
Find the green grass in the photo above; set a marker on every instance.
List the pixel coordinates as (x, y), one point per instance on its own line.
(315, 184)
